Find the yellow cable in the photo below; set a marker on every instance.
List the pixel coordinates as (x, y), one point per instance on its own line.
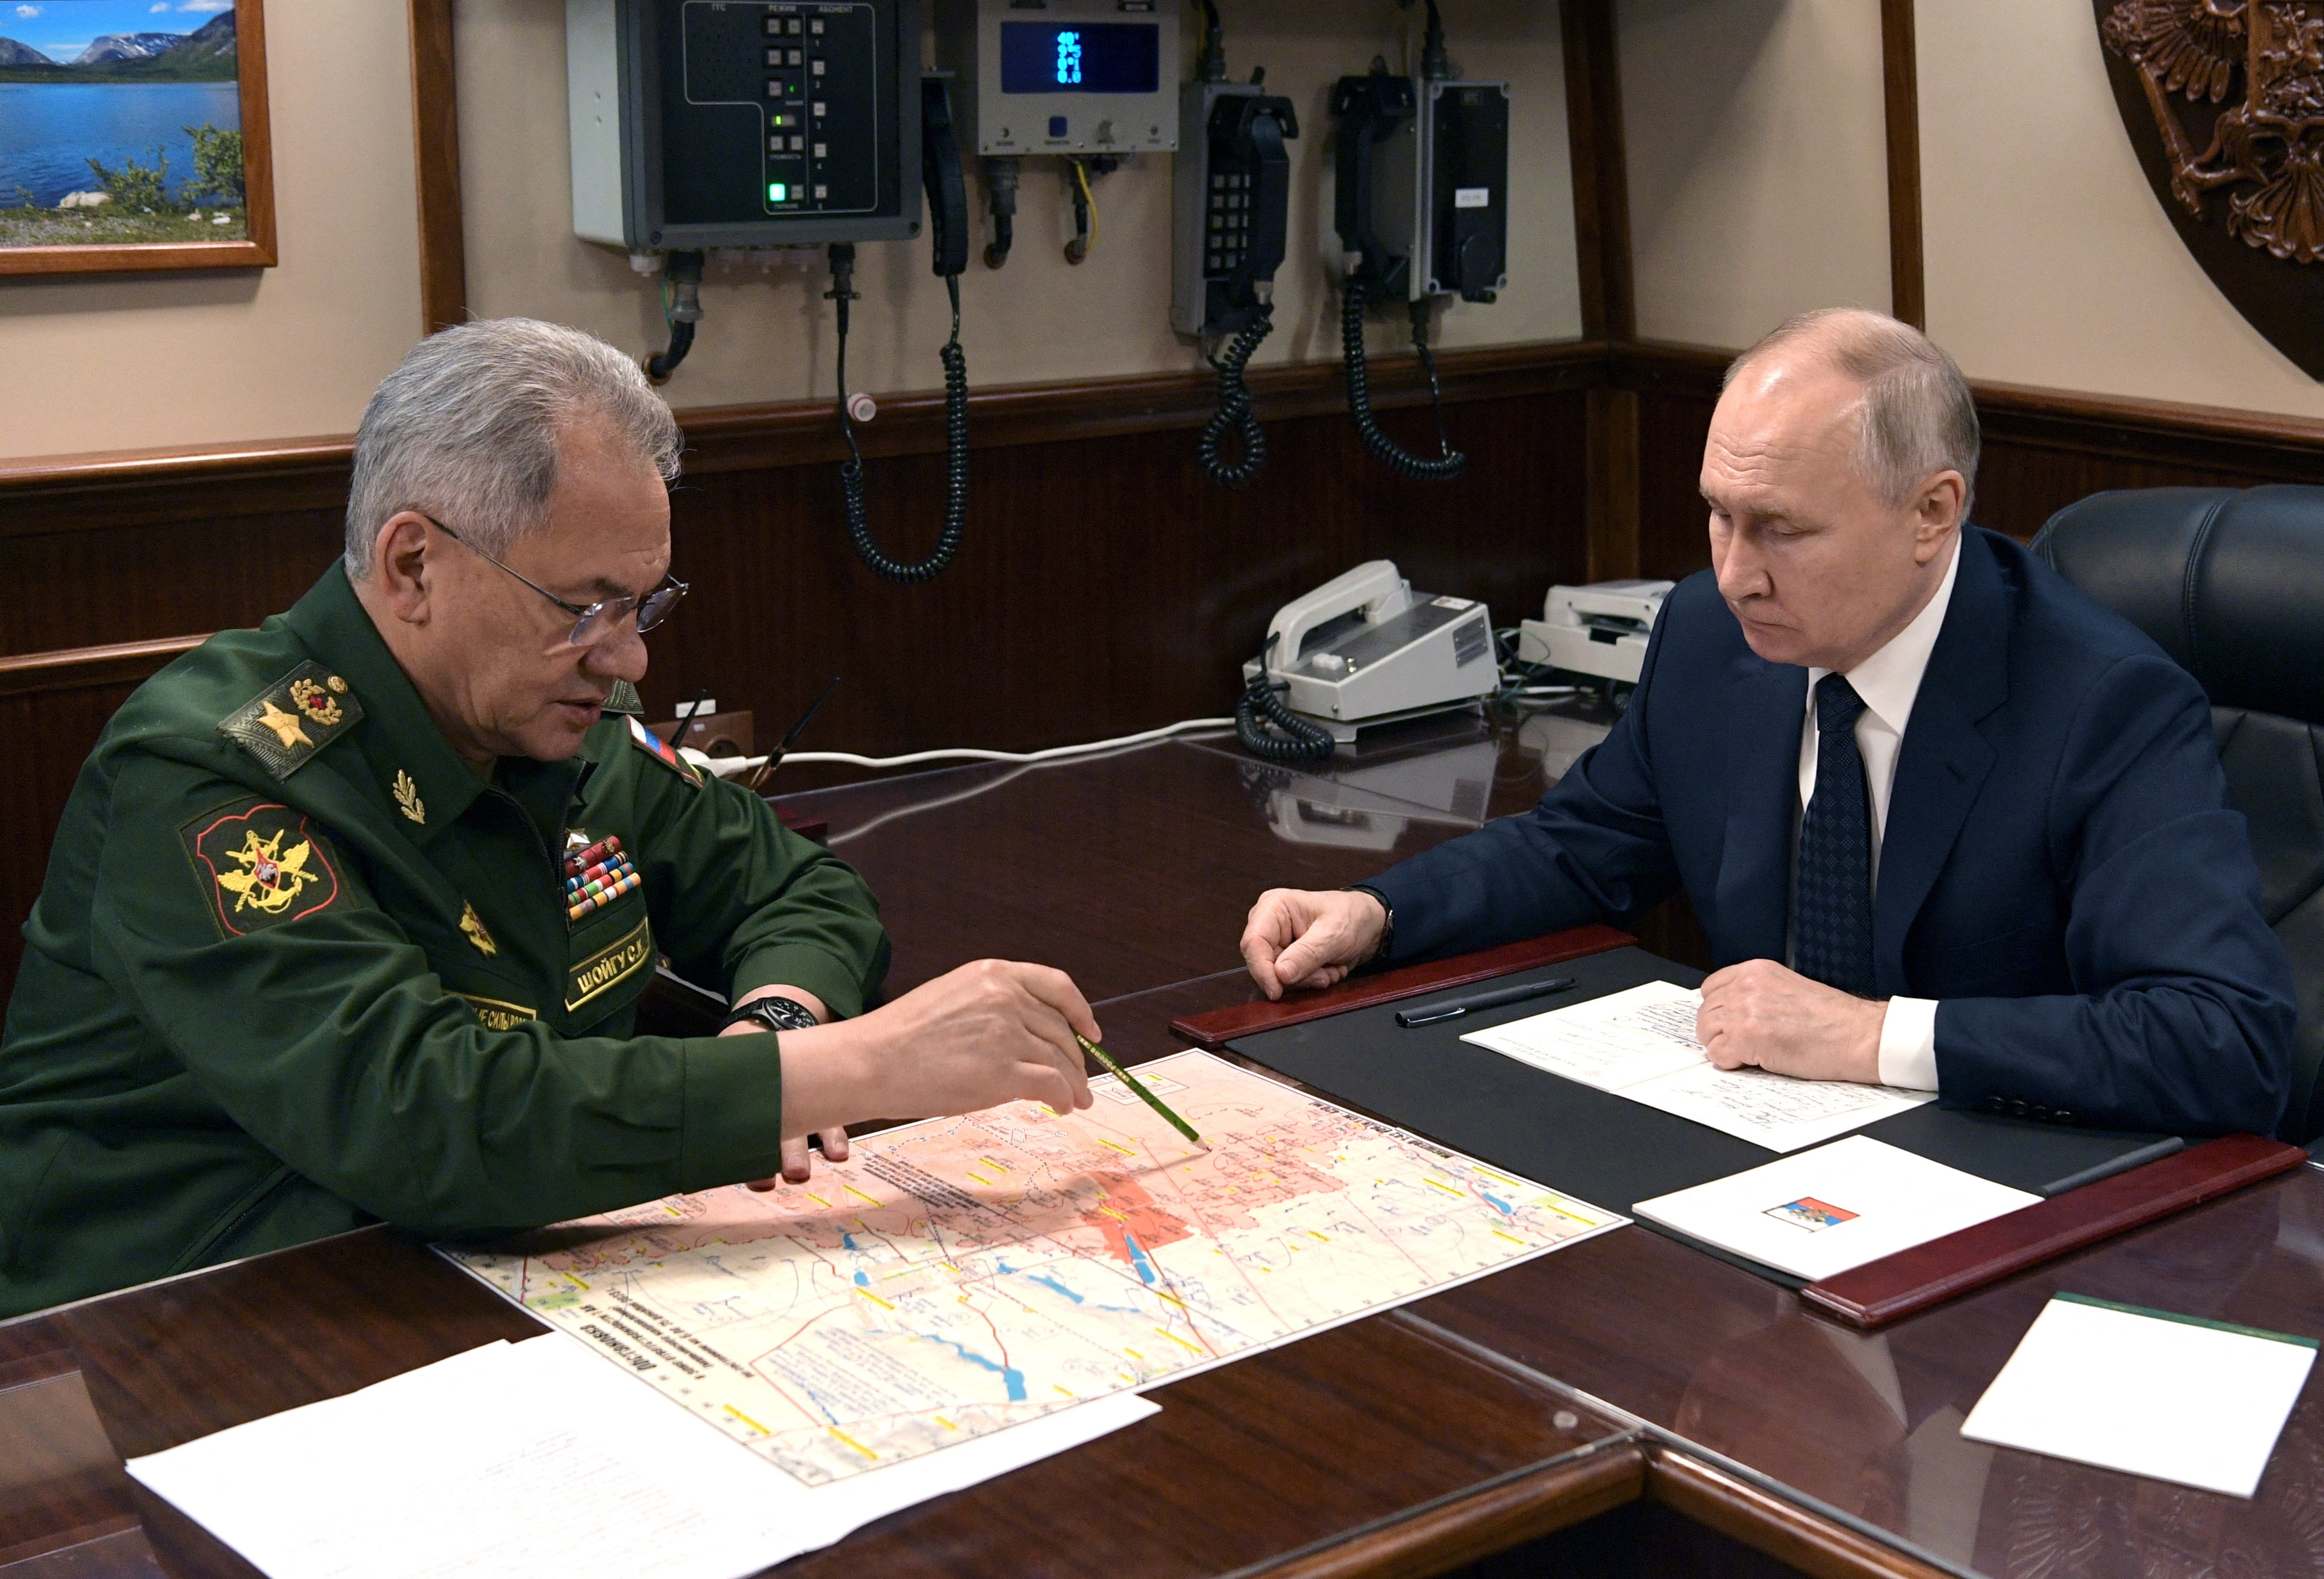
(1081, 175)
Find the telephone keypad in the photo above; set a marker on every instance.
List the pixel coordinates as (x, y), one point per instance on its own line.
(1228, 222)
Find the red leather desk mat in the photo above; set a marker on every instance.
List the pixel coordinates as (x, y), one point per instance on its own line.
(1214, 1029)
(1882, 1291)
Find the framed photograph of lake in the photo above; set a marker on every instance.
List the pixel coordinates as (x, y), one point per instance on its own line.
(132, 136)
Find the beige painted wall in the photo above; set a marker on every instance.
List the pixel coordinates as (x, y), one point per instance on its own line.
(1757, 145)
(2049, 260)
(767, 335)
(124, 362)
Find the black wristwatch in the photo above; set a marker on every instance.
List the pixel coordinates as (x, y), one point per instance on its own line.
(775, 1014)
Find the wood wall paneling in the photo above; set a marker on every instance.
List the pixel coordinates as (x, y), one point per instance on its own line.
(1901, 97)
(436, 136)
(1104, 587)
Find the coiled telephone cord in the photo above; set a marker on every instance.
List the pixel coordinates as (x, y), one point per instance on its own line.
(1234, 413)
(1450, 463)
(1259, 714)
(851, 470)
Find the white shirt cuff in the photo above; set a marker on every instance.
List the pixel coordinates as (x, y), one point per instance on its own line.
(1908, 1044)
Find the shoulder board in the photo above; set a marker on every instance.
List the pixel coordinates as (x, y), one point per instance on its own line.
(662, 752)
(290, 721)
(624, 699)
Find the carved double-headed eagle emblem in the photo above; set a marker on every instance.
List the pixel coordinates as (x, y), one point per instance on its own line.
(2265, 147)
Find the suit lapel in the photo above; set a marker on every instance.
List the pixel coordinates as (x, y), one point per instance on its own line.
(1944, 761)
(1768, 705)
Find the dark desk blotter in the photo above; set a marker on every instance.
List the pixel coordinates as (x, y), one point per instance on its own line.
(1605, 1149)
(1214, 1029)
(1882, 1291)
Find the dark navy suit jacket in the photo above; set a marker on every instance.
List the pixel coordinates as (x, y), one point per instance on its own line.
(2059, 868)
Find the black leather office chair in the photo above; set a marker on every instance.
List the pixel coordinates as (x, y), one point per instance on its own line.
(2230, 582)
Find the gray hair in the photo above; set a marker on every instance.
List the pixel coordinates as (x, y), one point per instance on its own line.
(1917, 417)
(468, 426)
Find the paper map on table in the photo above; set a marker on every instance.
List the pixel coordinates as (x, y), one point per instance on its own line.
(958, 1276)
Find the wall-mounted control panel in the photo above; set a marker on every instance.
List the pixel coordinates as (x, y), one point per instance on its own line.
(713, 123)
(1064, 76)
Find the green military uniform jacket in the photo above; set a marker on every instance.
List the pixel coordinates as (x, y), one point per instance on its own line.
(296, 968)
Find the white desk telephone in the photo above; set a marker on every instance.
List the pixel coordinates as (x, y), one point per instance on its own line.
(1365, 649)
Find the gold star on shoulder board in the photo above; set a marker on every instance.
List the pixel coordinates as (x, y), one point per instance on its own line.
(287, 726)
(474, 926)
(290, 721)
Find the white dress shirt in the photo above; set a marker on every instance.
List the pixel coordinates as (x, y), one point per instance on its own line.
(1888, 681)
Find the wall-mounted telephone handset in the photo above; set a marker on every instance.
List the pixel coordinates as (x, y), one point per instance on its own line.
(948, 226)
(1231, 209)
(1421, 203)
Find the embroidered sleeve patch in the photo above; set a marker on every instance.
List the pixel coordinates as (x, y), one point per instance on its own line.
(662, 752)
(261, 865)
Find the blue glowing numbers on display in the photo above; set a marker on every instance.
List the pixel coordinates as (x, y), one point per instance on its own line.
(1095, 56)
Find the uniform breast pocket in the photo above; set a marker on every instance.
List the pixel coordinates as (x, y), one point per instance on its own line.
(611, 959)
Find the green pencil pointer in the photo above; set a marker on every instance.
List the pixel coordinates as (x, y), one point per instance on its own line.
(1122, 1075)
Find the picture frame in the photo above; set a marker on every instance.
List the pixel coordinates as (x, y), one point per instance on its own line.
(253, 245)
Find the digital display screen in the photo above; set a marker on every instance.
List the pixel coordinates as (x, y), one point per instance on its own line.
(1100, 57)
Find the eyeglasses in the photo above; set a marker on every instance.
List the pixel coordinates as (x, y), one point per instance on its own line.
(595, 621)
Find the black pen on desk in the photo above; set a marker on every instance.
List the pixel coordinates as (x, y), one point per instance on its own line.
(1454, 1008)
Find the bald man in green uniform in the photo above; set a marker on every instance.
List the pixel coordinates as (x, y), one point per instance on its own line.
(347, 916)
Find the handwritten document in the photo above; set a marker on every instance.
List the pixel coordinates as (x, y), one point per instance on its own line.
(1640, 1044)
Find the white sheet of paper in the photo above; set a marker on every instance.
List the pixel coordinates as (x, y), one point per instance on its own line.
(1822, 1212)
(2208, 1404)
(1639, 1043)
(526, 1460)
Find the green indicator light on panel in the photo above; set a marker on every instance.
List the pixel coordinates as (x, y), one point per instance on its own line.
(777, 192)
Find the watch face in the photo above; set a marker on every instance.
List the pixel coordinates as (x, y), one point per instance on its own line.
(783, 1013)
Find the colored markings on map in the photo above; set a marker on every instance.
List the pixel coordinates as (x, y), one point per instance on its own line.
(773, 1256)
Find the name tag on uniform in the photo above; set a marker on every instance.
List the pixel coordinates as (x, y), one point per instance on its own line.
(610, 965)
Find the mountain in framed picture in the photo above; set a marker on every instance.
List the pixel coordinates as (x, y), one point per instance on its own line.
(2224, 102)
(133, 136)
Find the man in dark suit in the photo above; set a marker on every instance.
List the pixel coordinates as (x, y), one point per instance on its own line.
(2000, 865)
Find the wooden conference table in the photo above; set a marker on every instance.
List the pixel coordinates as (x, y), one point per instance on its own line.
(1624, 1406)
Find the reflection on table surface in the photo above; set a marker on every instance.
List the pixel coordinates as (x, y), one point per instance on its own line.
(1867, 1423)
(1134, 868)
(1133, 871)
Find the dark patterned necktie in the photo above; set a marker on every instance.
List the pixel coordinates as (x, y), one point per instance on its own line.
(1832, 924)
